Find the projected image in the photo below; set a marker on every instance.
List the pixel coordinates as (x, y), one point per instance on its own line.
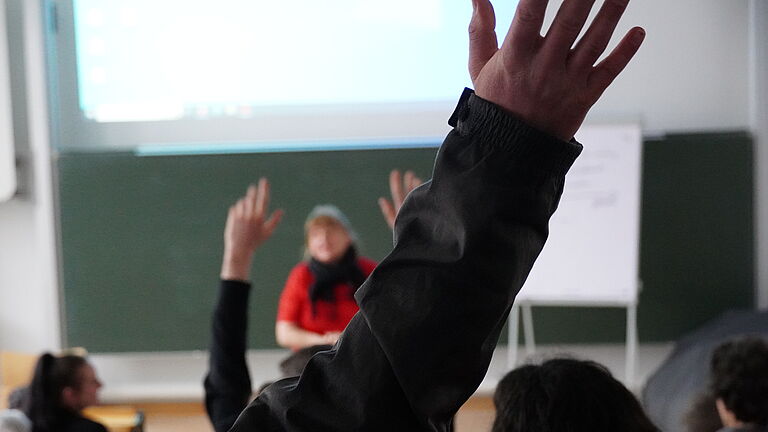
(146, 60)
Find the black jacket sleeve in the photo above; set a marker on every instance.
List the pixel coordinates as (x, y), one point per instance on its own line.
(432, 310)
(228, 384)
(81, 424)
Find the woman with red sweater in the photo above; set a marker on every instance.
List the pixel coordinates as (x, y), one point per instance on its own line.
(249, 225)
(318, 300)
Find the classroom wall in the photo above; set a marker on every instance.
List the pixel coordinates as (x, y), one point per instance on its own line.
(759, 121)
(29, 317)
(692, 74)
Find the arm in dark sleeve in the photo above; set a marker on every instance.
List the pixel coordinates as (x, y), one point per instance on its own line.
(431, 312)
(228, 384)
(465, 244)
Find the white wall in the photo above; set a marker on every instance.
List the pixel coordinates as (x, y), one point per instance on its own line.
(692, 74)
(759, 121)
(29, 312)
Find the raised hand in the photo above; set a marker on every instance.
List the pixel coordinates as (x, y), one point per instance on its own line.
(247, 228)
(546, 80)
(399, 188)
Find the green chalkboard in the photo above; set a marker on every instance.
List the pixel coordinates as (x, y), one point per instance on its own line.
(141, 238)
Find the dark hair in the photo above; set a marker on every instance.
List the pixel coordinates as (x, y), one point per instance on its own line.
(44, 405)
(566, 395)
(739, 376)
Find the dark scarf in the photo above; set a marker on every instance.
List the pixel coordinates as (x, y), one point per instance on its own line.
(327, 276)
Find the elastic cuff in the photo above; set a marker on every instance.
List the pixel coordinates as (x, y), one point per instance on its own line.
(493, 126)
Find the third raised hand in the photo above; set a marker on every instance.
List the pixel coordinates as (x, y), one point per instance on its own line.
(546, 80)
(248, 222)
(399, 188)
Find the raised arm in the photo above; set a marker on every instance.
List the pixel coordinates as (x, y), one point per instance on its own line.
(432, 311)
(247, 227)
(542, 79)
(228, 383)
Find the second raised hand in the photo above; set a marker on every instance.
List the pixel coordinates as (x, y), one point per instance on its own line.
(248, 226)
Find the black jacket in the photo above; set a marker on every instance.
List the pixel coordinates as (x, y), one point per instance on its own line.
(228, 384)
(432, 310)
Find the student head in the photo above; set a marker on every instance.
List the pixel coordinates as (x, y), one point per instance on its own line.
(328, 234)
(739, 382)
(566, 395)
(60, 386)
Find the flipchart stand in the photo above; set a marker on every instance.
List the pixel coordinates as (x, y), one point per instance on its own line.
(530, 342)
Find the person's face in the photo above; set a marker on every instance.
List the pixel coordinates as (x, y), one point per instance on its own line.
(87, 393)
(327, 242)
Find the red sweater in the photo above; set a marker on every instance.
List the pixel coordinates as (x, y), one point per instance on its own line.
(296, 307)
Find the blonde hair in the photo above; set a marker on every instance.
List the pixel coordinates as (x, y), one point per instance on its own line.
(324, 220)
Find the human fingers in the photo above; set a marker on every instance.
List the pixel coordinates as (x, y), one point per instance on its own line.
(482, 36)
(271, 223)
(525, 29)
(332, 337)
(230, 221)
(566, 27)
(409, 181)
(414, 182)
(396, 188)
(596, 39)
(240, 208)
(607, 70)
(262, 197)
(249, 200)
(388, 211)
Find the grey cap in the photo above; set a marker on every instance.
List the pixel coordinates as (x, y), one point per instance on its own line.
(333, 212)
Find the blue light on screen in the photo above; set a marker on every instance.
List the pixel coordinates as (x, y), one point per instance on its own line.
(175, 59)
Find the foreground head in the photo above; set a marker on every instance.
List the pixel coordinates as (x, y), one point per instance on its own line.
(60, 385)
(566, 395)
(739, 382)
(328, 234)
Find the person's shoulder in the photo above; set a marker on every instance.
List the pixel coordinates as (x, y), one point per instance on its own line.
(300, 270)
(300, 275)
(82, 424)
(13, 420)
